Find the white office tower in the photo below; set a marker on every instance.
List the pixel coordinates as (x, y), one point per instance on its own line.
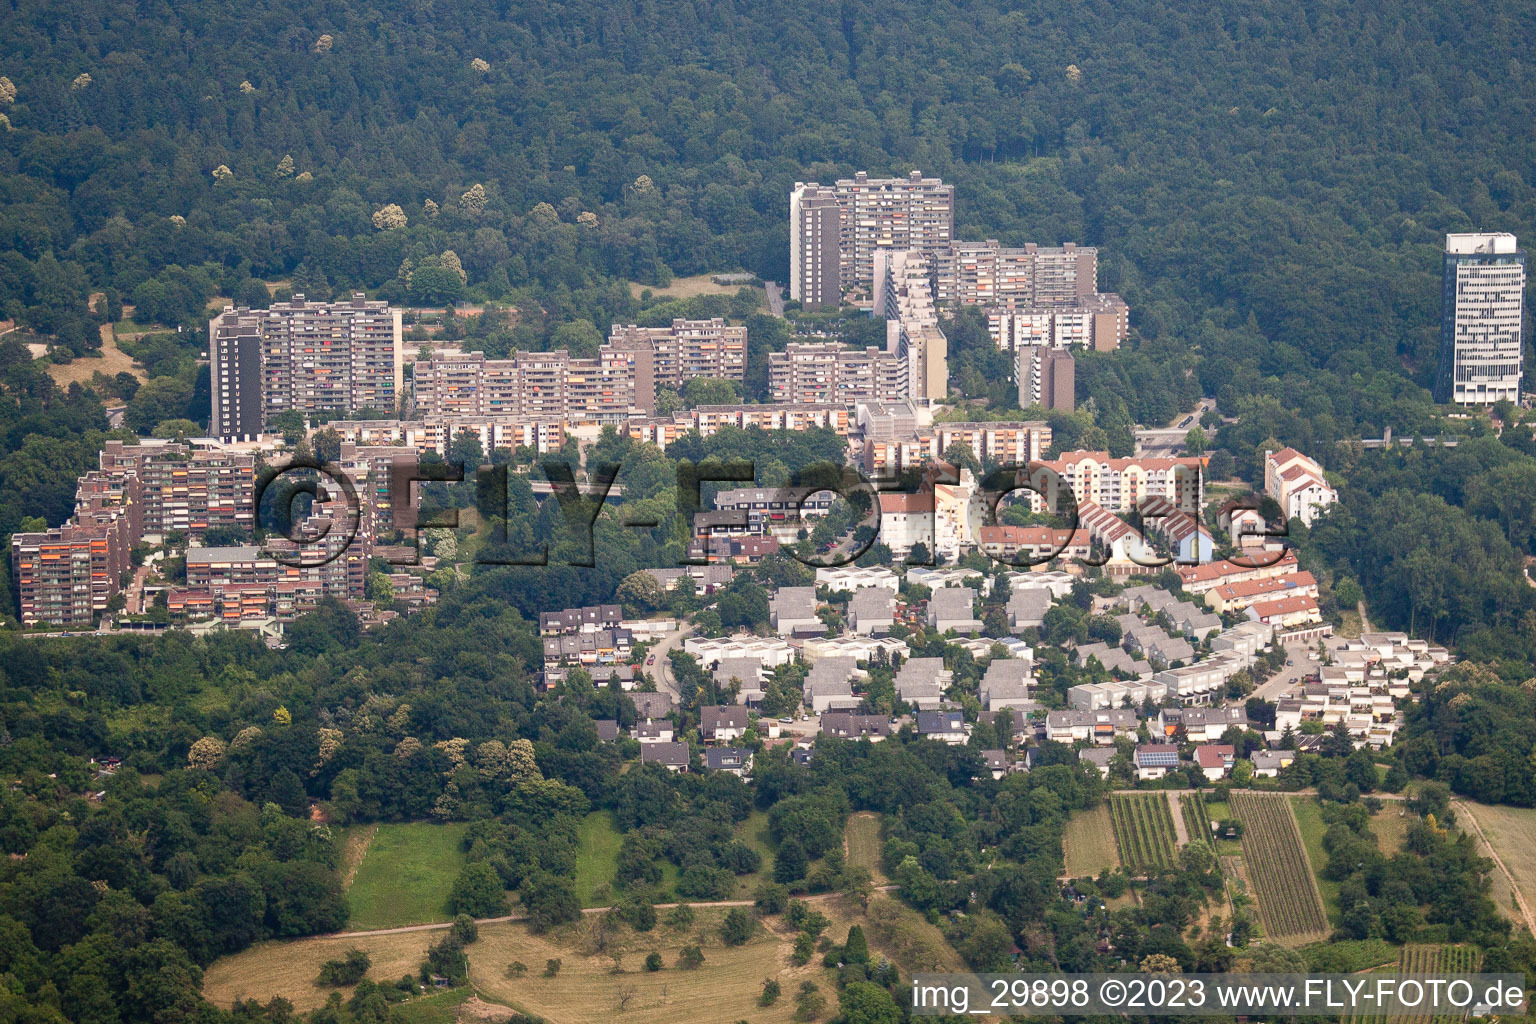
(1482, 320)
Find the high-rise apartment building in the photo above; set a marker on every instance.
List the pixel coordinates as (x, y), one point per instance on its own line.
(815, 246)
(903, 297)
(185, 490)
(870, 214)
(992, 275)
(1482, 354)
(545, 386)
(685, 350)
(304, 357)
(814, 373)
(1047, 377)
(1101, 322)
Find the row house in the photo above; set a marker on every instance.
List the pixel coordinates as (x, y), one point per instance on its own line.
(1200, 579)
(771, 652)
(580, 620)
(1236, 597)
(1098, 727)
(599, 647)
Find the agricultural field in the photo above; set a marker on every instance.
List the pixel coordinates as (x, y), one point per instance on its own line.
(405, 876)
(1425, 959)
(1089, 843)
(862, 835)
(1144, 832)
(1197, 819)
(1275, 859)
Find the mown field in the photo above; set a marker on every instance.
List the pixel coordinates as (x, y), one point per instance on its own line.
(405, 876)
(1088, 843)
(863, 838)
(1511, 832)
(289, 969)
(596, 975)
(1144, 833)
(597, 858)
(1276, 862)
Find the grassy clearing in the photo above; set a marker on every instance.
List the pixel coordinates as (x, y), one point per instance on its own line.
(1309, 819)
(754, 832)
(1089, 843)
(863, 838)
(437, 1008)
(406, 875)
(111, 362)
(597, 860)
(1390, 826)
(289, 969)
(685, 288)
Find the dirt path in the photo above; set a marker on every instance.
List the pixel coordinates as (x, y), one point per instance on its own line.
(1179, 830)
(437, 926)
(1465, 813)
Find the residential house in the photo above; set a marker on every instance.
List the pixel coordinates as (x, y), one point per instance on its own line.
(1267, 764)
(853, 579)
(793, 611)
(921, 682)
(650, 706)
(1155, 760)
(829, 685)
(846, 725)
(944, 726)
(1099, 757)
(655, 730)
(1097, 727)
(735, 760)
(1008, 684)
(671, 756)
(1200, 724)
(953, 608)
(1027, 608)
(1215, 760)
(723, 724)
(872, 611)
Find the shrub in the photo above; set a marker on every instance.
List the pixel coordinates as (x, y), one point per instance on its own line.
(771, 898)
(551, 967)
(464, 929)
(737, 928)
(653, 962)
(690, 958)
(770, 994)
(349, 970)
